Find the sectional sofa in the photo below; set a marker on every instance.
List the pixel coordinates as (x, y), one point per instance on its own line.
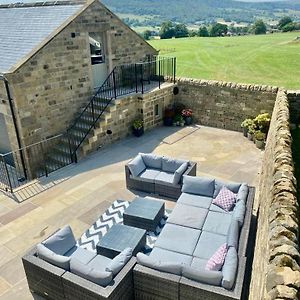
(57, 269)
(158, 174)
(195, 230)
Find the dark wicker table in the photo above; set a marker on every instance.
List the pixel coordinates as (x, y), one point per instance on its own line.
(144, 213)
(120, 237)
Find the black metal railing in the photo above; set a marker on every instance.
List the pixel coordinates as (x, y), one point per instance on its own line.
(123, 80)
(34, 161)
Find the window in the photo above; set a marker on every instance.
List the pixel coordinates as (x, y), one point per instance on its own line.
(96, 49)
(156, 111)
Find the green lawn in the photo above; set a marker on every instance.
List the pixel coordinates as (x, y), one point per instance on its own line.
(267, 59)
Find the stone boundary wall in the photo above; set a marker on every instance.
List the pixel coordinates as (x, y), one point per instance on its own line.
(276, 265)
(224, 104)
(294, 101)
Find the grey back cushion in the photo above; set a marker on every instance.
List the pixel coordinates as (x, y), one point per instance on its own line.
(91, 274)
(204, 276)
(53, 258)
(179, 172)
(169, 267)
(171, 165)
(136, 166)
(198, 185)
(61, 241)
(239, 212)
(229, 269)
(234, 187)
(233, 234)
(119, 261)
(243, 192)
(152, 160)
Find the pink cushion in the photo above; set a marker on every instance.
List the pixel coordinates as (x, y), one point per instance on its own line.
(225, 199)
(215, 263)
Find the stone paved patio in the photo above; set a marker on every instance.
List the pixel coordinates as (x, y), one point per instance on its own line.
(81, 193)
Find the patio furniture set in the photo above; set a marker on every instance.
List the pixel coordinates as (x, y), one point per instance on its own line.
(200, 253)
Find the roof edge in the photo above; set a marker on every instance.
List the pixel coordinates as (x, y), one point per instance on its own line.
(42, 3)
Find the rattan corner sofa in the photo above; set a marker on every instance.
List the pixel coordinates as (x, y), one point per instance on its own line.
(175, 269)
(57, 282)
(159, 175)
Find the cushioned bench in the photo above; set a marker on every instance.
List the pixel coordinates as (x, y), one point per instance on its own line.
(158, 174)
(197, 229)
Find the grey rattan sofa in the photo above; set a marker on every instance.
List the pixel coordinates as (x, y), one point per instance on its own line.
(158, 277)
(53, 282)
(158, 174)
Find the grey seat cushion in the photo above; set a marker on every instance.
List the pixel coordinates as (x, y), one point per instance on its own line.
(170, 256)
(92, 274)
(136, 166)
(171, 165)
(233, 234)
(100, 263)
(188, 216)
(232, 186)
(198, 185)
(81, 254)
(55, 259)
(149, 175)
(239, 212)
(229, 269)
(208, 244)
(204, 276)
(243, 192)
(199, 263)
(165, 178)
(118, 262)
(217, 222)
(61, 241)
(179, 172)
(178, 238)
(195, 200)
(164, 266)
(152, 161)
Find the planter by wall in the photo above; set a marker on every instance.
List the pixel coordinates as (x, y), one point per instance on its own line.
(138, 132)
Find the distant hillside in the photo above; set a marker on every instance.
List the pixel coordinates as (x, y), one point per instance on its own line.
(191, 11)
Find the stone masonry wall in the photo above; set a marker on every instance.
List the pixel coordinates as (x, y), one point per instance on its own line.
(294, 101)
(276, 265)
(224, 104)
(53, 85)
(120, 116)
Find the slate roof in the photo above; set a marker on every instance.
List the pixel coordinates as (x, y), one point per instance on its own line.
(24, 28)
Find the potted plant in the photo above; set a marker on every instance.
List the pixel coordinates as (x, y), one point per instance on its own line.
(245, 125)
(262, 122)
(259, 139)
(178, 120)
(138, 127)
(187, 115)
(250, 133)
(168, 116)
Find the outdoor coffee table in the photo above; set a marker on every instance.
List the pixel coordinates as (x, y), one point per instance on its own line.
(144, 213)
(120, 237)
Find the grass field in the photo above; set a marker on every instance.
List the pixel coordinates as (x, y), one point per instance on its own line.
(267, 59)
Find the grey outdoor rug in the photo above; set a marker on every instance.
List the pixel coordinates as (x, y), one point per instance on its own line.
(114, 215)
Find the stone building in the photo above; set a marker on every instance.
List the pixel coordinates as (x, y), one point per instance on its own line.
(52, 58)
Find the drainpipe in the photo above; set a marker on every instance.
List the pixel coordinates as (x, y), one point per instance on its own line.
(10, 101)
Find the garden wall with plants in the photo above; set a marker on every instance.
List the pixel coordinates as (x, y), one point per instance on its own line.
(276, 265)
(224, 104)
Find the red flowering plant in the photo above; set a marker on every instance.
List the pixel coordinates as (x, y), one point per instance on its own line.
(187, 113)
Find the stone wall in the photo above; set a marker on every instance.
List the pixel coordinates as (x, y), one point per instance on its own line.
(125, 110)
(54, 84)
(276, 265)
(294, 101)
(224, 104)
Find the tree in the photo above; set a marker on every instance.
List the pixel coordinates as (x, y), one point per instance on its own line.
(167, 30)
(289, 27)
(259, 27)
(284, 21)
(218, 29)
(203, 31)
(147, 34)
(180, 30)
